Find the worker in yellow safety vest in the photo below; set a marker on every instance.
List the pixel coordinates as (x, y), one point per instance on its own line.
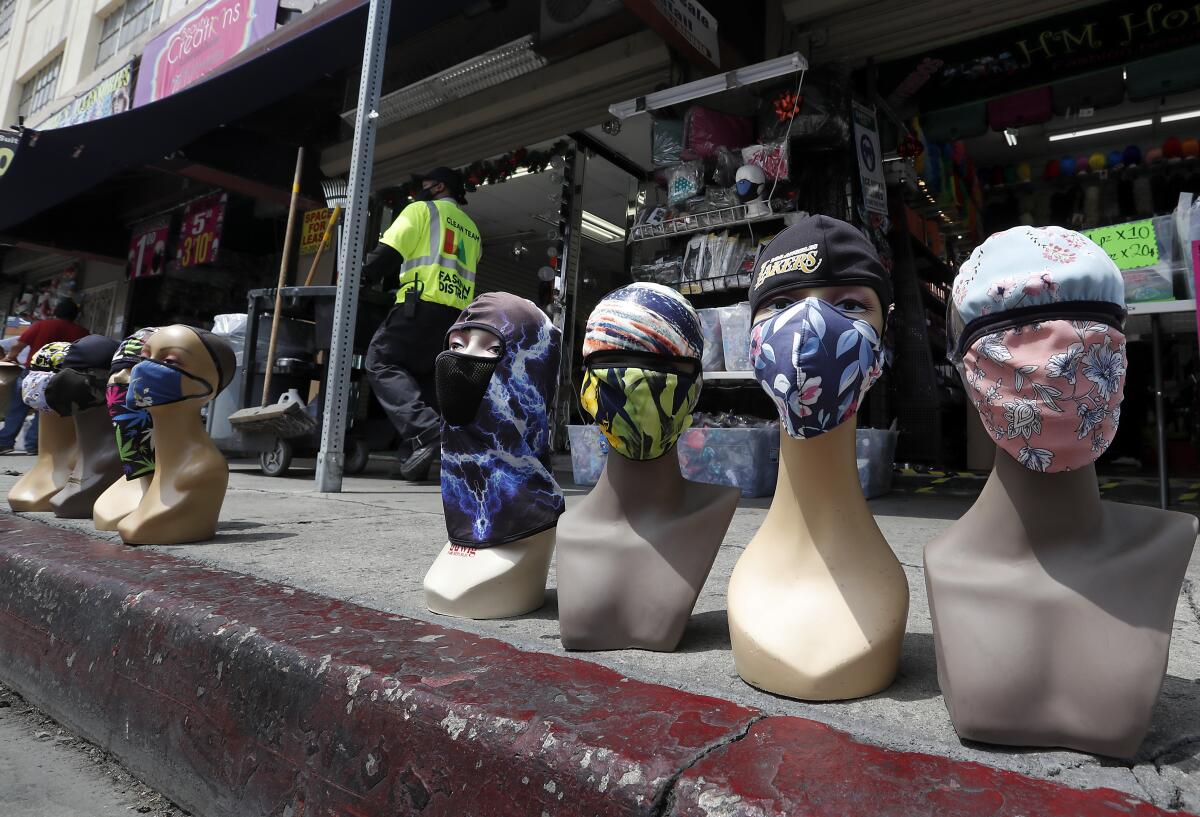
(435, 247)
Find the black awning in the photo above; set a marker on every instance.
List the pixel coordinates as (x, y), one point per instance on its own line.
(53, 166)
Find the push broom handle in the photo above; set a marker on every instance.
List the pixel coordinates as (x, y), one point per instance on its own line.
(337, 211)
(283, 267)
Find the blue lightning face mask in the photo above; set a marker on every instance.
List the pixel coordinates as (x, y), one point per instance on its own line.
(816, 363)
(497, 482)
(154, 383)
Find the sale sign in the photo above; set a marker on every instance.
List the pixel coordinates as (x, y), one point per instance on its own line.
(200, 232)
(313, 230)
(148, 248)
(199, 43)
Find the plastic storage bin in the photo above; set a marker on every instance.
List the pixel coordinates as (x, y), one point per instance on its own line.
(713, 359)
(735, 336)
(743, 458)
(875, 450)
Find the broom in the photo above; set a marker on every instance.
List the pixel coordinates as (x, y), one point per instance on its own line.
(284, 419)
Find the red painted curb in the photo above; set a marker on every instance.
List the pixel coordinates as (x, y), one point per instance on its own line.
(241, 697)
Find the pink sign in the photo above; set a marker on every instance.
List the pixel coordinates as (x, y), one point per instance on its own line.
(199, 43)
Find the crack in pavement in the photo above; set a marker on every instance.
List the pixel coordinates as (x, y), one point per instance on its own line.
(666, 799)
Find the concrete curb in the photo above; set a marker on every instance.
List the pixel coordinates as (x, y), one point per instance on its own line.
(242, 697)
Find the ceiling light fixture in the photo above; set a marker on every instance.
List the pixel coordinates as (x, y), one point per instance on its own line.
(759, 72)
(1137, 123)
(1010, 136)
(597, 229)
(1179, 115)
(478, 74)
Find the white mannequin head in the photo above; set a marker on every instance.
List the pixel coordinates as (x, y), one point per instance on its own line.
(476, 342)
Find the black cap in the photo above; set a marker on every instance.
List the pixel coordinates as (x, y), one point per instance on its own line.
(449, 177)
(818, 251)
(91, 352)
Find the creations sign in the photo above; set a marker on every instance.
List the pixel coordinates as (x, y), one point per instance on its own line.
(200, 232)
(1037, 53)
(200, 43)
(109, 96)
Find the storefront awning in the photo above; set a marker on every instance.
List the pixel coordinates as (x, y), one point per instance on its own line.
(50, 167)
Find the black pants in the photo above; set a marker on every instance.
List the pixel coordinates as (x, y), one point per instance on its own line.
(400, 367)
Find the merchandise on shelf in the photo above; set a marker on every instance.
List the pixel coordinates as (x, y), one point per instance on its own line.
(735, 336)
(713, 359)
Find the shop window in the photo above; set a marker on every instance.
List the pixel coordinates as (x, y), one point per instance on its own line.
(39, 90)
(7, 9)
(123, 25)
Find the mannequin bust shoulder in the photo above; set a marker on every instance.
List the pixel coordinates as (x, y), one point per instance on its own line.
(635, 553)
(1029, 616)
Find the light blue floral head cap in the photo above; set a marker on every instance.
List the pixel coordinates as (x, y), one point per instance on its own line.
(1030, 274)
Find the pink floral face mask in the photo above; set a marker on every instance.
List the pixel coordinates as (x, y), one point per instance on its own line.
(1049, 393)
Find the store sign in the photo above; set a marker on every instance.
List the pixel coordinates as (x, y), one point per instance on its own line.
(1131, 246)
(200, 43)
(1096, 37)
(109, 96)
(313, 230)
(870, 160)
(200, 232)
(696, 25)
(9, 142)
(148, 248)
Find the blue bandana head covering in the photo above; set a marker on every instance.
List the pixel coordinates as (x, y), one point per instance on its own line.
(644, 317)
(497, 482)
(1030, 274)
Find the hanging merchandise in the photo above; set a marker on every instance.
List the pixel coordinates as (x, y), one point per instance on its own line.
(666, 141)
(1096, 161)
(706, 131)
(684, 181)
(772, 157)
(497, 482)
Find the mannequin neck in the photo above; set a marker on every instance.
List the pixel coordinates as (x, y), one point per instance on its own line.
(178, 431)
(627, 485)
(1027, 508)
(93, 429)
(819, 503)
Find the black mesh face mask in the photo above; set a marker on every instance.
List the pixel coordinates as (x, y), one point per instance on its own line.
(462, 381)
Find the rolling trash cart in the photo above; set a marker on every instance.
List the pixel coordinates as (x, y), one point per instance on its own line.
(305, 329)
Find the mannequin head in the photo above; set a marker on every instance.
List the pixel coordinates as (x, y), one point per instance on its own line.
(475, 341)
(857, 299)
(642, 375)
(180, 364)
(79, 386)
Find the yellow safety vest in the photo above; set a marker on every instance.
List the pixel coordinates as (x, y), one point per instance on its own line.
(441, 248)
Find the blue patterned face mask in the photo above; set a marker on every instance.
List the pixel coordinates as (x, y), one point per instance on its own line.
(154, 383)
(816, 362)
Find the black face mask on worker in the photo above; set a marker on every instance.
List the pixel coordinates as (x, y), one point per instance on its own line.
(427, 193)
(462, 381)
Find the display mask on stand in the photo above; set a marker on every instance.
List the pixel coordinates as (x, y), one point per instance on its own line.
(79, 386)
(750, 183)
(1035, 324)
(133, 426)
(642, 377)
(42, 367)
(497, 482)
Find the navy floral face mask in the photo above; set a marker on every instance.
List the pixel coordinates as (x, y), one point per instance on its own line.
(816, 362)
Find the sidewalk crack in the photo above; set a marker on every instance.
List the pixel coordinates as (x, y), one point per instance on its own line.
(665, 801)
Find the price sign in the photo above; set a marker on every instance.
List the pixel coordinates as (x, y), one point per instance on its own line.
(200, 232)
(148, 248)
(1130, 246)
(313, 230)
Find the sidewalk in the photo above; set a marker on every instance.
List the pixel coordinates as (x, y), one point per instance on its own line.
(372, 544)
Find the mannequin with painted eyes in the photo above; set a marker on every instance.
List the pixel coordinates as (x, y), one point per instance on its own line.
(1052, 609)
(634, 553)
(496, 383)
(184, 368)
(818, 602)
(57, 449)
(77, 391)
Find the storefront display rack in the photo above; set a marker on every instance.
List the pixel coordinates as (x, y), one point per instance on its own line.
(724, 217)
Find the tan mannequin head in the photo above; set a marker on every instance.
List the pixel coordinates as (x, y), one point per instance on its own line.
(862, 301)
(183, 501)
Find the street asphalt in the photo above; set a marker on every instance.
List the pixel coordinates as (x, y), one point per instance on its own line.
(372, 543)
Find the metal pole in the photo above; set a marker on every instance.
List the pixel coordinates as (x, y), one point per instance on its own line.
(331, 457)
(566, 283)
(1164, 490)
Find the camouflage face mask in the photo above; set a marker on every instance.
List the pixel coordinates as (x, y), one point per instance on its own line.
(641, 412)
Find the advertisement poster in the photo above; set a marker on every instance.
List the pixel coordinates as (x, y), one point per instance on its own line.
(313, 230)
(109, 96)
(870, 160)
(148, 248)
(200, 43)
(9, 142)
(200, 232)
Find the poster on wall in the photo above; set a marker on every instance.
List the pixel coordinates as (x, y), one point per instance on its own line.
(109, 96)
(870, 160)
(148, 248)
(200, 232)
(200, 43)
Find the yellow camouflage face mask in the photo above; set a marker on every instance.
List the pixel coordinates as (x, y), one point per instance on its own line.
(641, 412)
